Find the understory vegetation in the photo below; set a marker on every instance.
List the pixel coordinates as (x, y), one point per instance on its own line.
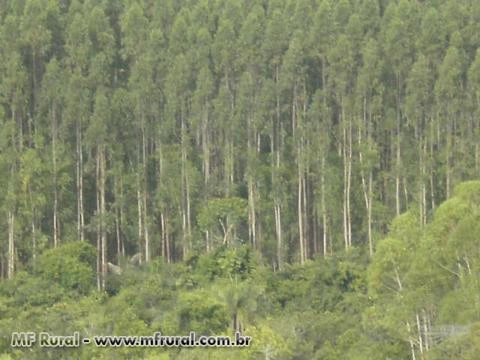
(418, 296)
(305, 172)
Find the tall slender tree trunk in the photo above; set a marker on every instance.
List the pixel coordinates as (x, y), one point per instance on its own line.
(323, 163)
(420, 337)
(140, 222)
(250, 184)
(163, 233)
(252, 224)
(122, 218)
(118, 223)
(11, 245)
(423, 190)
(349, 182)
(55, 192)
(347, 174)
(300, 174)
(300, 220)
(102, 218)
(448, 162)
(33, 225)
(145, 228)
(367, 186)
(79, 166)
(425, 330)
(144, 192)
(276, 144)
(118, 236)
(398, 150)
(305, 219)
(432, 165)
(411, 341)
(477, 159)
(98, 221)
(324, 209)
(205, 147)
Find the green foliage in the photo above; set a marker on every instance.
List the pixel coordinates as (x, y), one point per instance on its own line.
(224, 262)
(70, 265)
(227, 212)
(203, 145)
(199, 311)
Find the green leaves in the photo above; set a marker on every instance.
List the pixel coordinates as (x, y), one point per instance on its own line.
(225, 215)
(70, 266)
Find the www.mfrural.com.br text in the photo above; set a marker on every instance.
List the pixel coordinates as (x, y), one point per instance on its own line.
(45, 339)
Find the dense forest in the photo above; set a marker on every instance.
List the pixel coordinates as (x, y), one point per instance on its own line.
(304, 171)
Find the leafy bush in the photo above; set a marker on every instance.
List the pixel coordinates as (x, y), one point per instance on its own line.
(70, 265)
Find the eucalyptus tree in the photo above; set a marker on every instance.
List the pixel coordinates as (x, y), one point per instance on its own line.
(370, 95)
(322, 38)
(274, 45)
(399, 34)
(474, 125)
(342, 62)
(99, 80)
(14, 101)
(134, 26)
(449, 102)
(295, 92)
(419, 112)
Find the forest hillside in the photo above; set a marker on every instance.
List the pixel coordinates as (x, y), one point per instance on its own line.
(305, 171)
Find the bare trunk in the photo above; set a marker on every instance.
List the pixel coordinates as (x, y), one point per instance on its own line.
(102, 218)
(34, 231)
(420, 337)
(184, 233)
(140, 222)
(411, 341)
(423, 216)
(397, 279)
(117, 236)
(278, 227)
(366, 185)
(477, 159)
(397, 181)
(189, 213)
(349, 184)
(251, 196)
(314, 231)
(425, 330)
(34, 238)
(369, 212)
(79, 161)
(122, 218)
(432, 187)
(165, 244)
(300, 220)
(145, 229)
(207, 240)
(398, 151)
(324, 209)
(205, 148)
(11, 245)
(447, 165)
(55, 192)
(184, 186)
(306, 235)
(98, 222)
(276, 144)
(345, 174)
(144, 193)
(251, 213)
